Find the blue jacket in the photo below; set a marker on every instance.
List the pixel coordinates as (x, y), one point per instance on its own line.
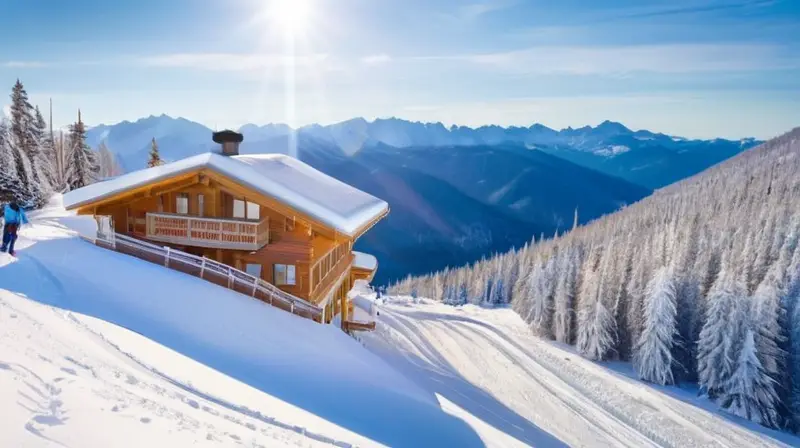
(12, 217)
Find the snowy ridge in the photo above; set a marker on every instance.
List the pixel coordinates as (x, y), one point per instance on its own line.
(291, 181)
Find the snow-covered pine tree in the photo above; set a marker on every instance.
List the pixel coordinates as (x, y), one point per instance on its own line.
(155, 156)
(715, 350)
(653, 355)
(792, 301)
(9, 181)
(31, 190)
(768, 316)
(83, 160)
(539, 290)
(596, 335)
(564, 296)
(463, 295)
(750, 392)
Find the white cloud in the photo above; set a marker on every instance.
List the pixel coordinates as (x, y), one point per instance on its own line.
(236, 62)
(24, 64)
(674, 58)
(376, 59)
(474, 11)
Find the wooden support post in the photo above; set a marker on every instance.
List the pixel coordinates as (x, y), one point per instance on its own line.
(203, 267)
(166, 257)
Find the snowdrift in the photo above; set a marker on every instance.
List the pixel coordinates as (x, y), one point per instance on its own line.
(293, 363)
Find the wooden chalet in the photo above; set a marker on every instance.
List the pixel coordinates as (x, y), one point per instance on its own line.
(269, 215)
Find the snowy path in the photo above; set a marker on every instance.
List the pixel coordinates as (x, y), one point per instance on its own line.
(496, 370)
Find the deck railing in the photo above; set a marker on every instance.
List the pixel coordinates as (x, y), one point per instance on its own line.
(214, 233)
(215, 272)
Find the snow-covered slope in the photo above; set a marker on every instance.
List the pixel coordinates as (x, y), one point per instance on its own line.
(516, 389)
(208, 365)
(99, 349)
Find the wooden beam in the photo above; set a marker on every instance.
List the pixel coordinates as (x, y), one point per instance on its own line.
(136, 193)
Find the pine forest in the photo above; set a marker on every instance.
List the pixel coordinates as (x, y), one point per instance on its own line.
(698, 283)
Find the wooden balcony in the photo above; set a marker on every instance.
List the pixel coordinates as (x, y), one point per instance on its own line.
(213, 233)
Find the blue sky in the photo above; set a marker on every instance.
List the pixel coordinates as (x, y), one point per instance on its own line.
(694, 68)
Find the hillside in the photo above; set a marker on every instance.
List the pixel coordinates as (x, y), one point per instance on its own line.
(94, 358)
(698, 283)
(96, 339)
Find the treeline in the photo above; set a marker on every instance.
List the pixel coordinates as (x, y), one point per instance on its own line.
(36, 161)
(698, 283)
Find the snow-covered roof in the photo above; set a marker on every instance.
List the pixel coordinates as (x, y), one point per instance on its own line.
(365, 261)
(279, 176)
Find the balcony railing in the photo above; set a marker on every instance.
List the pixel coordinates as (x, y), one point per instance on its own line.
(213, 233)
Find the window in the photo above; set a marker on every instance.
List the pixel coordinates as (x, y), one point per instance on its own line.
(253, 211)
(160, 203)
(246, 210)
(201, 204)
(182, 203)
(253, 269)
(284, 274)
(238, 208)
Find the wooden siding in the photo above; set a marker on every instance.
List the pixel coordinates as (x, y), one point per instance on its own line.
(294, 239)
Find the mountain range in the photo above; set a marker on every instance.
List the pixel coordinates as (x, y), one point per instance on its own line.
(457, 193)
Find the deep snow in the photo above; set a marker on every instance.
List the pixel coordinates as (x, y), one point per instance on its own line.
(101, 349)
(488, 363)
(202, 342)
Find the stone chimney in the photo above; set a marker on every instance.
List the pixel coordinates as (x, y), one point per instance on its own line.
(228, 141)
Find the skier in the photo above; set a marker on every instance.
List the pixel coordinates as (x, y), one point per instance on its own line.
(14, 217)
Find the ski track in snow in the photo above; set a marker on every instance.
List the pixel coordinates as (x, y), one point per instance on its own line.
(579, 402)
(73, 372)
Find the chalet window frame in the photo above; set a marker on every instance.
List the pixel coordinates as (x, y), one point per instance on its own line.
(201, 204)
(182, 203)
(250, 211)
(260, 269)
(284, 274)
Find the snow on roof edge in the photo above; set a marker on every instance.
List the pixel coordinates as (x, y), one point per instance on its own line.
(365, 261)
(247, 175)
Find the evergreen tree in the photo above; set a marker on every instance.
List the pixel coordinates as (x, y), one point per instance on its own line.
(540, 296)
(750, 392)
(653, 359)
(718, 337)
(31, 191)
(564, 313)
(9, 182)
(155, 157)
(83, 161)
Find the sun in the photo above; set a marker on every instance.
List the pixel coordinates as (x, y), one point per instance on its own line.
(292, 16)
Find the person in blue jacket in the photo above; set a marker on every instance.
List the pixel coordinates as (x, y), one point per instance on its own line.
(14, 217)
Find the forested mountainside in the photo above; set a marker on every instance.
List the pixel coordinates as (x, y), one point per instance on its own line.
(699, 282)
